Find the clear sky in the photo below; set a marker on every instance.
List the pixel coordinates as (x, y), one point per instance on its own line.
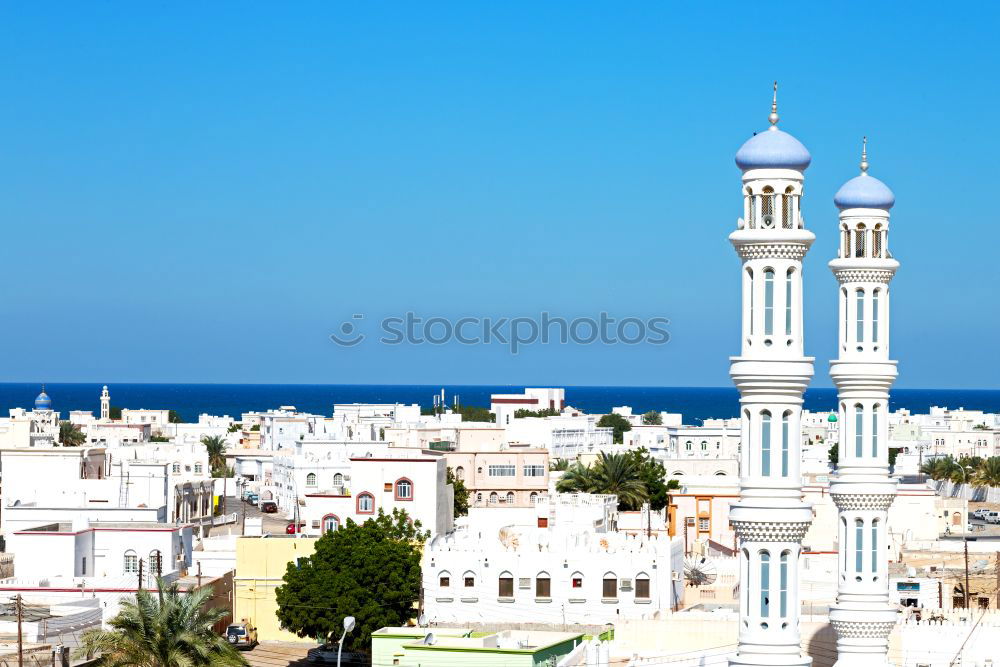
(203, 192)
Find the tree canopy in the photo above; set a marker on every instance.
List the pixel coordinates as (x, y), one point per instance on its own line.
(461, 494)
(370, 571)
(524, 412)
(635, 477)
(973, 470)
(652, 418)
(174, 417)
(70, 435)
(215, 445)
(616, 422)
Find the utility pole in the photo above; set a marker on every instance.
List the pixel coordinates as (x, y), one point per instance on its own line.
(998, 579)
(20, 637)
(966, 541)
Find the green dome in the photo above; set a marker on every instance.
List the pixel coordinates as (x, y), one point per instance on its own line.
(832, 418)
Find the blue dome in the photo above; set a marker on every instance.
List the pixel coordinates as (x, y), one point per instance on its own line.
(864, 191)
(773, 149)
(42, 401)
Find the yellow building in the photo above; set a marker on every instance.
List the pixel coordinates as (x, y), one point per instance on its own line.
(260, 565)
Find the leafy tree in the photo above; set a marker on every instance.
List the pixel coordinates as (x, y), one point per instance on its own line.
(578, 478)
(653, 475)
(114, 412)
(988, 473)
(164, 629)
(70, 435)
(370, 571)
(472, 413)
(216, 447)
(234, 427)
(893, 453)
(833, 453)
(618, 423)
(174, 417)
(652, 418)
(558, 464)
(461, 494)
(547, 412)
(159, 438)
(621, 475)
(255, 427)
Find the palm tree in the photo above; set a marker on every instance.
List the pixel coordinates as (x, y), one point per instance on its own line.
(578, 478)
(165, 629)
(941, 467)
(559, 465)
(988, 473)
(216, 447)
(618, 474)
(70, 435)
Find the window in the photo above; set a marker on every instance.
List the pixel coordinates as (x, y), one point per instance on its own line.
(404, 489)
(687, 446)
(875, 316)
(788, 302)
(750, 289)
(751, 208)
(875, 546)
(494, 498)
(503, 470)
(533, 498)
(704, 446)
(859, 241)
(176, 468)
(155, 563)
(577, 581)
(765, 443)
(875, 430)
(338, 479)
(860, 301)
(444, 580)
(366, 503)
(543, 586)
(506, 587)
(767, 205)
(783, 575)
(470, 580)
(765, 584)
(510, 497)
(784, 443)
(858, 427)
(330, 523)
(197, 468)
(83, 566)
(311, 479)
(642, 587)
(847, 310)
(704, 524)
(768, 302)
(610, 588)
(131, 562)
(534, 470)
(460, 473)
(859, 537)
(786, 209)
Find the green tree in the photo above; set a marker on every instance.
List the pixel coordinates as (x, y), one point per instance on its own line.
(174, 417)
(216, 447)
(234, 427)
(159, 438)
(255, 427)
(163, 629)
(652, 418)
(558, 464)
(70, 435)
(616, 422)
(619, 474)
(370, 571)
(461, 494)
(653, 476)
(833, 454)
(114, 412)
(577, 478)
(547, 412)
(988, 473)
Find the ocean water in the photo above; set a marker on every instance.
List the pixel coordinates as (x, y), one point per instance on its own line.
(190, 400)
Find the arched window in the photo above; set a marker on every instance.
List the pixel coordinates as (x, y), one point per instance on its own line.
(543, 585)
(745, 563)
(494, 498)
(642, 586)
(444, 579)
(786, 208)
(859, 425)
(131, 562)
(510, 497)
(768, 302)
(404, 489)
(704, 446)
(859, 539)
(469, 579)
(875, 430)
(331, 522)
(687, 446)
(506, 585)
(175, 468)
(767, 206)
(750, 288)
(155, 564)
(576, 581)
(875, 546)
(784, 443)
(479, 497)
(460, 473)
(765, 443)
(609, 589)
(338, 479)
(875, 296)
(846, 249)
(366, 503)
(788, 301)
(842, 555)
(845, 308)
(859, 241)
(860, 301)
(751, 209)
(765, 584)
(311, 479)
(877, 241)
(533, 498)
(783, 575)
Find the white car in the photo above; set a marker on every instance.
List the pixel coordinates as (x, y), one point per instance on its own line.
(981, 513)
(992, 517)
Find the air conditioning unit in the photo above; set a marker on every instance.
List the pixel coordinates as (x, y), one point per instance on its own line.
(626, 585)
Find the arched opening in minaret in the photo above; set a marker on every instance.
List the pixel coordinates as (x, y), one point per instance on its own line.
(875, 309)
(765, 443)
(783, 575)
(874, 549)
(877, 241)
(765, 586)
(843, 548)
(859, 295)
(846, 310)
(789, 275)
(784, 442)
(845, 249)
(859, 241)
(875, 409)
(767, 207)
(751, 209)
(859, 544)
(750, 290)
(768, 302)
(859, 413)
(786, 208)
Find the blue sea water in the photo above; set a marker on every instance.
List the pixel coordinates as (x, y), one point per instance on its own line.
(190, 400)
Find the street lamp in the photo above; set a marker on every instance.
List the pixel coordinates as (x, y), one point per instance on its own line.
(348, 626)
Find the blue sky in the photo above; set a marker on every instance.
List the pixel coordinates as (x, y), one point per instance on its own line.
(204, 192)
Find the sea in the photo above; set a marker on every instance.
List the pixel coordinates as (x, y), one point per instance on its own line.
(191, 400)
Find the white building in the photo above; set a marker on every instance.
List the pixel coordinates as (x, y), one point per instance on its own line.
(535, 399)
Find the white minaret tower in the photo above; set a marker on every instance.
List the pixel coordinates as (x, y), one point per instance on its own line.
(771, 373)
(863, 373)
(105, 404)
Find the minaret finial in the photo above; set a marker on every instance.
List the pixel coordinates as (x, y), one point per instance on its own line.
(864, 155)
(774, 108)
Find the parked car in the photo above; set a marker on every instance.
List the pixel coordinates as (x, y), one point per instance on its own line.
(269, 507)
(242, 636)
(328, 654)
(290, 528)
(252, 498)
(992, 517)
(981, 513)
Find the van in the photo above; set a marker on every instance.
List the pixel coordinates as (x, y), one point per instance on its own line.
(992, 517)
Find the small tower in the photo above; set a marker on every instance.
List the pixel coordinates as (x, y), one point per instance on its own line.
(105, 404)
(863, 373)
(42, 402)
(771, 373)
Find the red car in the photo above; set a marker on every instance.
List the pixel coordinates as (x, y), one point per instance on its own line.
(290, 528)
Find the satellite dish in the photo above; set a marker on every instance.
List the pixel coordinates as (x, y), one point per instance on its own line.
(429, 639)
(422, 619)
(768, 220)
(699, 571)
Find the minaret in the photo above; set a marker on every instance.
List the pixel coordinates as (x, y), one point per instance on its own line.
(771, 373)
(862, 616)
(105, 404)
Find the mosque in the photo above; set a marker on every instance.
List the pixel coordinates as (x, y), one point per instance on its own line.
(771, 373)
